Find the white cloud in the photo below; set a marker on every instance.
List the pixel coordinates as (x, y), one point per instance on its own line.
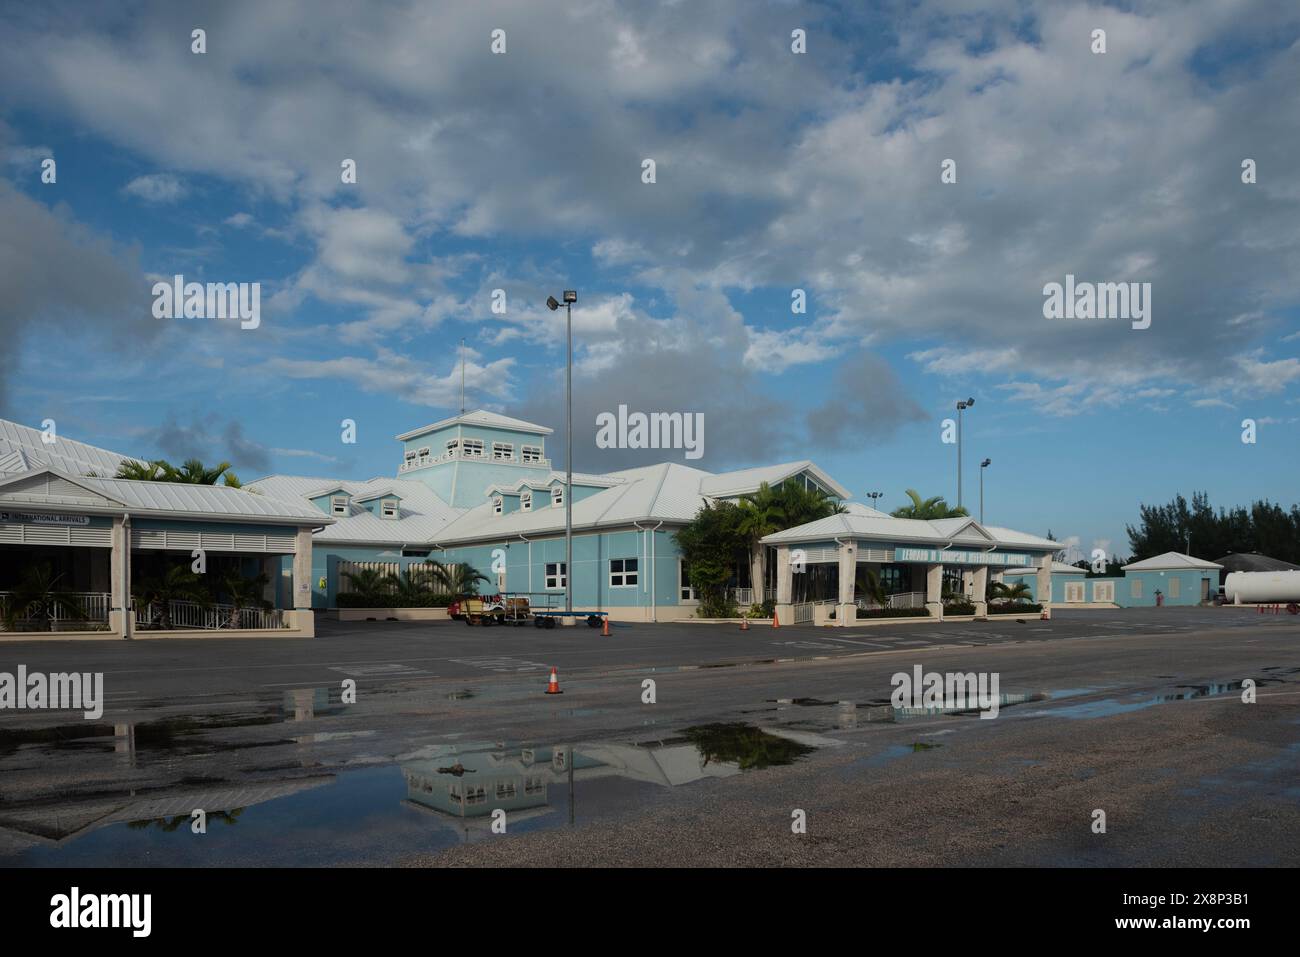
(157, 188)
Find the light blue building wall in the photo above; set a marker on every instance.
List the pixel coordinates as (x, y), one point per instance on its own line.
(1059, 580)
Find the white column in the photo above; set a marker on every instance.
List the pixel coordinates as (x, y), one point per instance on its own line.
(119, 574)
(302, 570)
(981, 585)
(756, 572)
(784, 584)
(934, 591)
(847, 612)
(1043, 585)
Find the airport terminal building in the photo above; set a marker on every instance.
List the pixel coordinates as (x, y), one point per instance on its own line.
(478, 488)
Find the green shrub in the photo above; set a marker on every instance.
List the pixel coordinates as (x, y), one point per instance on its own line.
(352, 599)
(893, 613)
(766, 610)
(959, 608)
(1013, 608)
(718, 606)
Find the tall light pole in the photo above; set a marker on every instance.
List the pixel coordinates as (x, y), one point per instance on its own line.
(874, 496)
(961, 407)
(570, 297)
(983, 465)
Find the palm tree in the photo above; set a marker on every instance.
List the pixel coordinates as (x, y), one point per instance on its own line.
(1020, 591)
(459, 578)
(177, 583)
(245, 593)
(368, 582)
(928, 508)
(875, 589)
(770, 510)
(191, 472)
(38, 598)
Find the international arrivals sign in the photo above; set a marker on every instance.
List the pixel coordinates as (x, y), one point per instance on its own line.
(43, 518)
(935, 556)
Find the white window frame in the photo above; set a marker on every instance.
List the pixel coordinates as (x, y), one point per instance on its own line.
(503, 451)
(472, 448)
(555, 580)
(525, 501)
(1135, 588)
(1175, 587)
(1103, 591)
(409, 455)
(684, 590)
(530, 453)
(557, 496)
(620, 576)
(389, 508)
(498, 504)
(339, 505)
(1074, 592)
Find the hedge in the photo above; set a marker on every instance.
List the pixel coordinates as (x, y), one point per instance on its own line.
(959, 608)
(1014, 609)
(894, 613)
(352, 599)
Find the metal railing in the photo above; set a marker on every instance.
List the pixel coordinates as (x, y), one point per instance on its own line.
(742, 596)
(191, 615)
(802, 613)
(64, 611)
(420, 462)
(903, 599)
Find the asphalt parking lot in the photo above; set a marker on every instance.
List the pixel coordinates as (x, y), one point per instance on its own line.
(384, 653)
(1140, 713)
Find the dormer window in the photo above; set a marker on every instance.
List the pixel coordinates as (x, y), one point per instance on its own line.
(338, 505)
(526, 502)
(503, 451)
(389, 508)
(557, 496)
(497, 504)
(531, 453)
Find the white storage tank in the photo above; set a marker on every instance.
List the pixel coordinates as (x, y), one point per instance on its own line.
(1260, 587)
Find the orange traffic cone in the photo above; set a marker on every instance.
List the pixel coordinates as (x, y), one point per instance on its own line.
(604, 632)
(744, 623)
(554, 686)
(775, 622)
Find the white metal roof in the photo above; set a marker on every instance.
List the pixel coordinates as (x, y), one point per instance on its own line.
(23, 448)
(53, 488)
(863, 522)
(421, 514)
(1058, 568)
(491, 420)
(1170, 560)
(744, 481)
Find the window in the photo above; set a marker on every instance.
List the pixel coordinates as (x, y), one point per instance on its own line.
(534, 785)
(425, 453)
(532, 453)
(503, 451)
(474, 448)
(409, 456)
(1135, 588)
(557, 575)
(496, 504)
(557, 496)
(685, 591)
(526, 502)
(339, 504)
(1175, 586)
(388, 508)
(452, 446)
(505, 790)
(622, 572)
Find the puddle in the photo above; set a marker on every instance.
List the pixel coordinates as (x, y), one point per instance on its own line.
(438, 796)
(1113, 706)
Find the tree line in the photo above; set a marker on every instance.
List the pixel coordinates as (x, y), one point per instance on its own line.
(1198, 529)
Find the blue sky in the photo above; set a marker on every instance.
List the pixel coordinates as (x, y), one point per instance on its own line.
(775, 171)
